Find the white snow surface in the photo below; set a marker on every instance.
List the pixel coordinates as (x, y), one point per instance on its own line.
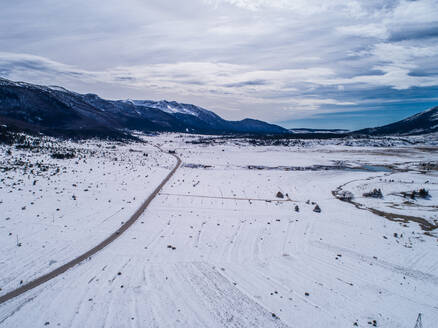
(217, 248)
(170, 107)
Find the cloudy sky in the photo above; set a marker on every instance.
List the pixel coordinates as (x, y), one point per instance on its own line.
(300, 63)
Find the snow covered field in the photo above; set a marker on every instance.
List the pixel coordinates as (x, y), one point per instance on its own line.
(217, 247)
(53, 209)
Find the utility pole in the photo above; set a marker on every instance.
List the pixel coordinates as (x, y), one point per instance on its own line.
(419, 324)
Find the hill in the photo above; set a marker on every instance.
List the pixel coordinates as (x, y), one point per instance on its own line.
(57, 111)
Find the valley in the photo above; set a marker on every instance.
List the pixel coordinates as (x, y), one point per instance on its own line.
(233, 239)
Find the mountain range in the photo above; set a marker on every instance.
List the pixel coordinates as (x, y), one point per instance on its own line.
(421, 123)
(54, 110)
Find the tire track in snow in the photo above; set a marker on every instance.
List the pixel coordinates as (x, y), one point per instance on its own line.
(415, 274)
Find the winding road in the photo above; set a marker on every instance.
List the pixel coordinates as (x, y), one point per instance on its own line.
(60, 270)
(396, 217)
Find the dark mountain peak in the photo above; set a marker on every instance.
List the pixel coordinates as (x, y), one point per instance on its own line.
(92, 96)
(421, 123)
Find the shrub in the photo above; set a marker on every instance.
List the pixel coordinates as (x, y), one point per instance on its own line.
(423, 193)
(67, 155)
(376, 193)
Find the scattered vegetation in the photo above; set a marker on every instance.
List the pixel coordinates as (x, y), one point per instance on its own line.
(429, 166)
(66, 155)
(345, 195)
(421, 193)
(376, 193)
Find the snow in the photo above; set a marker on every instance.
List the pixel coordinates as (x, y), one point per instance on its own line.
(393, 186)
(58, 88)
(433, 117)
(217, 248)
(170, 107)
(66, 206)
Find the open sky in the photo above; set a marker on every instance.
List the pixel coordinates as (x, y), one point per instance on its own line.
(299, 63)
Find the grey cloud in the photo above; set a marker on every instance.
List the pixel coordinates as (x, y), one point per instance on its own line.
(416, 32)
(246, 84)
(193, 82)
(238, 57)
(14, 63)
(124, 78)
(422, 72)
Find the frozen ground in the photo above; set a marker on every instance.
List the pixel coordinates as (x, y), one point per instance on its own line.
(53, 209)
(217, 248)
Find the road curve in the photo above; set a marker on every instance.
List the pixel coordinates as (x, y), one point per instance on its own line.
(58, 271)
(425, 225)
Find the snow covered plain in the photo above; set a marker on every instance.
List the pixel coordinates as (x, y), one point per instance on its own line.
(54, 209)
(217, 248)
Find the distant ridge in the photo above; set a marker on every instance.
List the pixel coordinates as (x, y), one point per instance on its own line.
(421, 123)
(304, 130)
(55, 110)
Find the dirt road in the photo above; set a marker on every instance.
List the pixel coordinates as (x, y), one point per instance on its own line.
(58, 271)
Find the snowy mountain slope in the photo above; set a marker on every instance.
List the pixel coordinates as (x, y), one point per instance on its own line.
(198, 118)
(55, 110)
(421, 123)
(52, 111)
(172, 107)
